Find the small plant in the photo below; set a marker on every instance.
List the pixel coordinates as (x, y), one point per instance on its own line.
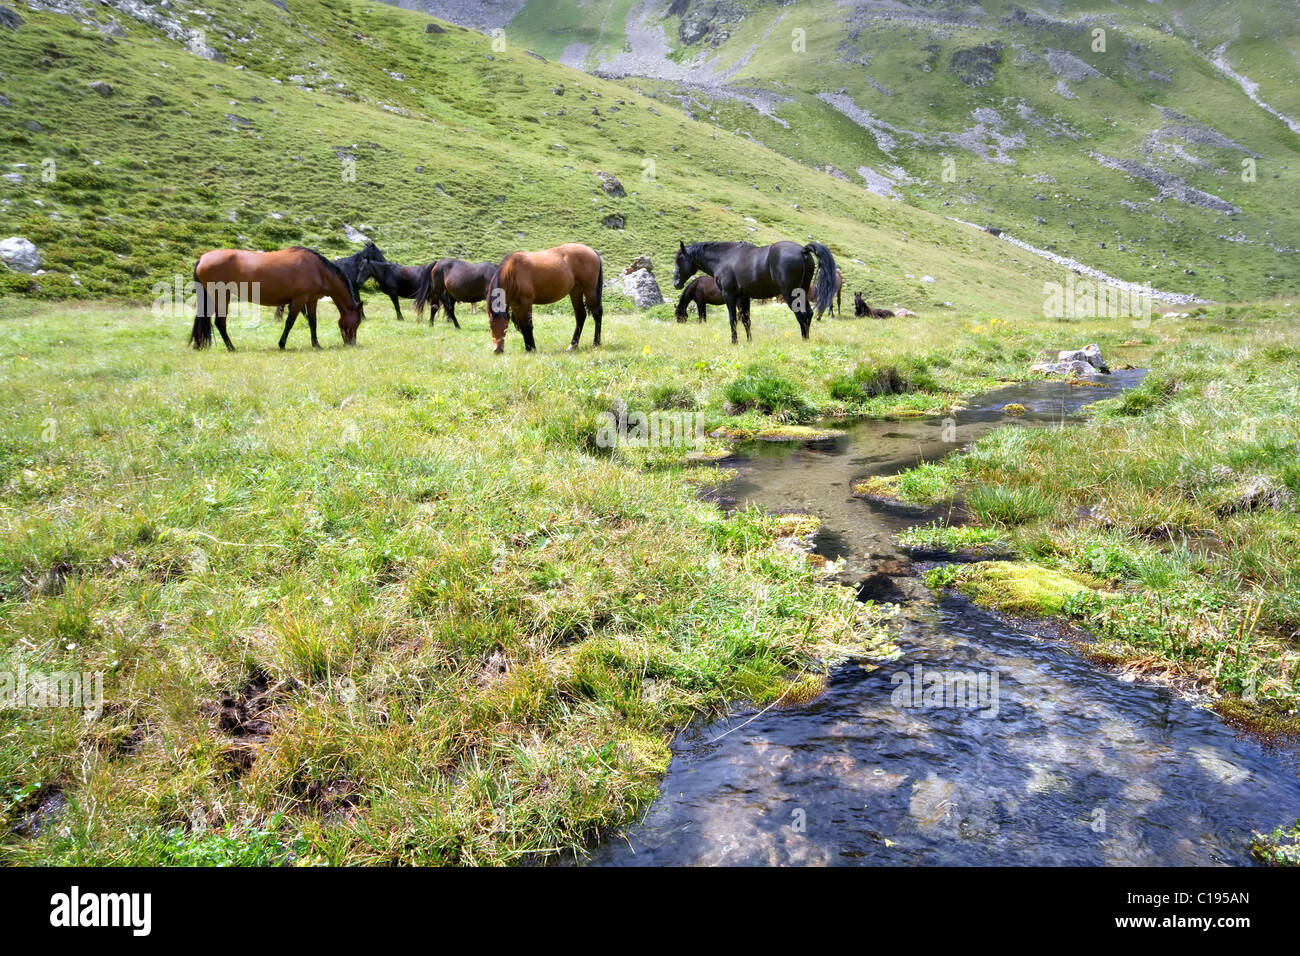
(955, 538)
(1279, 848)
(761, 388)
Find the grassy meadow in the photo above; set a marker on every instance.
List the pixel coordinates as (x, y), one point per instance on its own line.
(394, 604)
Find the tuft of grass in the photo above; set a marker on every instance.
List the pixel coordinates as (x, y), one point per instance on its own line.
(760, 387)
(1013, 587)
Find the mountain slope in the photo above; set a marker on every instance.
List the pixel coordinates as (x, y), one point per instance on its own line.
(264, 127)
(1124, 149)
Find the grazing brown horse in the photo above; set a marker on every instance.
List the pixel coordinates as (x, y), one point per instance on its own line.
(449, 281)
(701, 290)
(296, 277)
(526, 279)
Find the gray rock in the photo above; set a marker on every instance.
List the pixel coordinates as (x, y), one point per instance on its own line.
(611, 185)
(642, 289)
(112, 30)
(15, 178)
(20, 254)
(1084, 361)
(4, 100)
(10, 19)
(281, 4)
(354, 235)
(614, 221)
(434, 28)
(102, 88)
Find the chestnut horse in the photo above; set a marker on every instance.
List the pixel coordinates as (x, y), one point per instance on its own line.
(295, 277)
(526, 279)
(449, 281)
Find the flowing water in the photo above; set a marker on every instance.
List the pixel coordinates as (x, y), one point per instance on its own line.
(1048, 760)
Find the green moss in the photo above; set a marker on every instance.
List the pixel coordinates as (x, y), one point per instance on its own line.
(1015, 587)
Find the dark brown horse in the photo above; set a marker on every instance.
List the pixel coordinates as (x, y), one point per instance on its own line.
(862, 310)
(449, 281)
(526, 279)
(296, 277)
(701, 290)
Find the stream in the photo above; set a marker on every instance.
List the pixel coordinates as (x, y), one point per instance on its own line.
(1047, 760)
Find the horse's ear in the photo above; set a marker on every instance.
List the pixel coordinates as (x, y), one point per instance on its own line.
(682, 244)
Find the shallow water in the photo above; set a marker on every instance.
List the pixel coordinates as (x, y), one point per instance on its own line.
(1048, 759)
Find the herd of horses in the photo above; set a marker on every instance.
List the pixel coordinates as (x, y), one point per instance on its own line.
(733, 274)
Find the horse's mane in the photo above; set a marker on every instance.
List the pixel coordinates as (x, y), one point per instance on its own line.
(695, 247)
(329, 264)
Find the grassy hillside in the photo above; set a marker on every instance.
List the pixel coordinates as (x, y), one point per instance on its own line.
(472, 152)
(1037, 123)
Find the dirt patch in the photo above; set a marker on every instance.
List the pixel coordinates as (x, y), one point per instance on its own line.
(246, 720)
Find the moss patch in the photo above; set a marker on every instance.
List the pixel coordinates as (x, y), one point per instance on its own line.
(1015, 587)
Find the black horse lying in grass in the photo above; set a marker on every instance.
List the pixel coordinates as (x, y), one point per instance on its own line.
(744, 271)
(862, 310)
(703, 291)
(449, 281)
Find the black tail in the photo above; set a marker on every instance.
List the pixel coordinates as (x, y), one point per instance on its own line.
(600, 288)
(201, 336)
(424, 291)
(825, 272)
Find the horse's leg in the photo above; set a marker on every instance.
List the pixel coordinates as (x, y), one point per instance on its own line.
(523, 319)
(288, 324)
(731, 314)
(396, 307)
(450, 305)
(311, 320)
(744, 317)
(222, 306)
(579, 318)
(802, 309)
(699, 307)
(597, 312)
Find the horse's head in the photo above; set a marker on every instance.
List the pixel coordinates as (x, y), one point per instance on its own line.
(685, 266)
(372, 253)
(350, 319)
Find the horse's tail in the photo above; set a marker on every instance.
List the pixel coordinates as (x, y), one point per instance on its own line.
(424, 290)
(839, 296)
(825, 272)
(201, 336)
(600, 286)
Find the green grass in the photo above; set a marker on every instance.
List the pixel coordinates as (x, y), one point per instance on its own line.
(469, 632)
(1179, 496)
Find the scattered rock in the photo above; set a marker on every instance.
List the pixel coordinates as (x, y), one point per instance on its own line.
(615, 221)
(434, 28)
(10, 19)
(1084, 361)
(112, 30)
(611, 185)
(19, 254)
(977, 65)
(354, 235)
(642, 289)
(640, 262)
(102, 88)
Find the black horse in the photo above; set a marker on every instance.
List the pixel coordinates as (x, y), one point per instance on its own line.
(744, 271)
(703, 291)
(355, 267)
(398, 282)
